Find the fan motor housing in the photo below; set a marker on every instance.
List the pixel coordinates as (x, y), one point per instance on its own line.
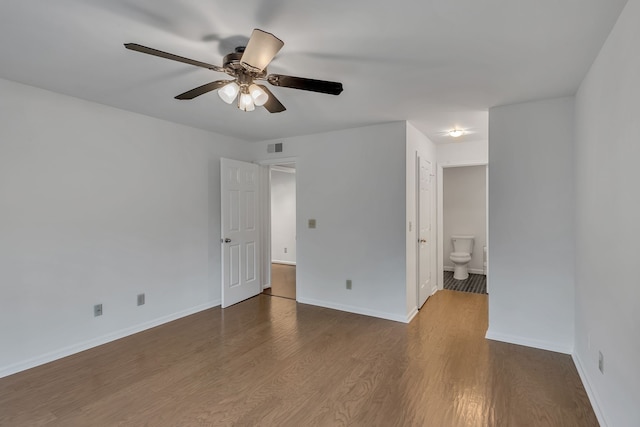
(232, 60)
(231, 63)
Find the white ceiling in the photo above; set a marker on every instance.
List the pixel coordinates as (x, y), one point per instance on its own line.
(437, 63)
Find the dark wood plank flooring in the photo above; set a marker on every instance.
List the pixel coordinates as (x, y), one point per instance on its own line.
(274, 362)
(283, 281)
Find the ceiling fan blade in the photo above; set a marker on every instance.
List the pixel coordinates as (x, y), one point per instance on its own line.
(201, 90)
(161, 54)
(322, 86)
(272, 105)
(260, 50)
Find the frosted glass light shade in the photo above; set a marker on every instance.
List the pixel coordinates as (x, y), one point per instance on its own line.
(260, 50)
(258, 94)
(229, 92)
(245, 103)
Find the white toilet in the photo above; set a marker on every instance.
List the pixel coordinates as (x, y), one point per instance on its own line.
(461, 255)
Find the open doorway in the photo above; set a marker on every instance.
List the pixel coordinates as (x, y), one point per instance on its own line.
(282, 201)
(464, 214)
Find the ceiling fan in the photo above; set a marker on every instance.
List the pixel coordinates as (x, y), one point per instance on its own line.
(247, 65)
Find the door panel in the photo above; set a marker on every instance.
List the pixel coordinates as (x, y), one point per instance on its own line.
(426, 284)
(239, 231)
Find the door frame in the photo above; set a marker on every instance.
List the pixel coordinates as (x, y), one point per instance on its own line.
(440, 214)
(265, 215)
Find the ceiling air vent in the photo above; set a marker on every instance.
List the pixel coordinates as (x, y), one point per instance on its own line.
(274, 148)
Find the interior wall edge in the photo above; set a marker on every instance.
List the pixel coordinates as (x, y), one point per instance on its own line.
(358, 310)
(591, 392)
(529, 342)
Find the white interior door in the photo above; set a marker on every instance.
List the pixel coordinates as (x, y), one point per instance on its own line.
(239, 231)
(426, 285)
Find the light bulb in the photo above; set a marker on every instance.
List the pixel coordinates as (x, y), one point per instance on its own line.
(455, 133)
(245, 102)
(258, 94)
(228, 92)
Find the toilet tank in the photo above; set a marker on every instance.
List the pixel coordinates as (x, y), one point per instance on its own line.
(462, 243)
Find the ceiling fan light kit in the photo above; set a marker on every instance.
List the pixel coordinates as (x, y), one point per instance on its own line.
(229, 92)
(247, 65)
(258, 95)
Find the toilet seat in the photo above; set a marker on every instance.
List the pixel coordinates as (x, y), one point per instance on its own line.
(460, 257)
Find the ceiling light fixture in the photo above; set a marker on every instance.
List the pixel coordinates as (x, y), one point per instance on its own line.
(251, 96)
(245, 102)
(456, 133)
(229, 92)
(259, 96)
(247, 65)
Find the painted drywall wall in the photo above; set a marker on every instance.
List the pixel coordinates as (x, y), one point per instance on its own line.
(352, 182)
(465, 212)
(463, 153)
(607, 226)
(417, 145)
(531, 204)
(98, 205)
(283, 217)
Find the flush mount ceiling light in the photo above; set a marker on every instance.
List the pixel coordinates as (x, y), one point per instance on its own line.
(455, 133)
(247, 65)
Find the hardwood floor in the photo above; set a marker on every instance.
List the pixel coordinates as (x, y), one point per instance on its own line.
(274, 362)
(283, 281)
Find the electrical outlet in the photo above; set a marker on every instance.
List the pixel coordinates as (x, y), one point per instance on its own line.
(97, 310)
(349, 284)
(286, 250)
(140, 299)
(601, 362)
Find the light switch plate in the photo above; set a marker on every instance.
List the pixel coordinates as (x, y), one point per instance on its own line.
(312, 223)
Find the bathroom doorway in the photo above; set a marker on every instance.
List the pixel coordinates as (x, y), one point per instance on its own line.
(464, 214)
(282, 190)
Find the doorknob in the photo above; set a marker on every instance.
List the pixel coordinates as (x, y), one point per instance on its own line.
(227, 240)
(422, 240)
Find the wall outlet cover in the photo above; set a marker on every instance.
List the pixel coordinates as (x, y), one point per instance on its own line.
(349, 283)
(601, 362)
(97, 310)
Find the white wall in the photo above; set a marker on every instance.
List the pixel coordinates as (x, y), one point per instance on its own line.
(463, 153)
(608, 224)
(283, 216)
(465, 211)
(96, 206)
(531, 233)
(417, 145)
(353, 183)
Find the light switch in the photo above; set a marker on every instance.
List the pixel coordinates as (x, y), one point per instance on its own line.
(312, 223)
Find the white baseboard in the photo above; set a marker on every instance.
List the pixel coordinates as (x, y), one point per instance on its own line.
(277, 261)
(356, 310)
(593, 396)
(411, 315)
(95, 342)
(470, 270)
(528, 342)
